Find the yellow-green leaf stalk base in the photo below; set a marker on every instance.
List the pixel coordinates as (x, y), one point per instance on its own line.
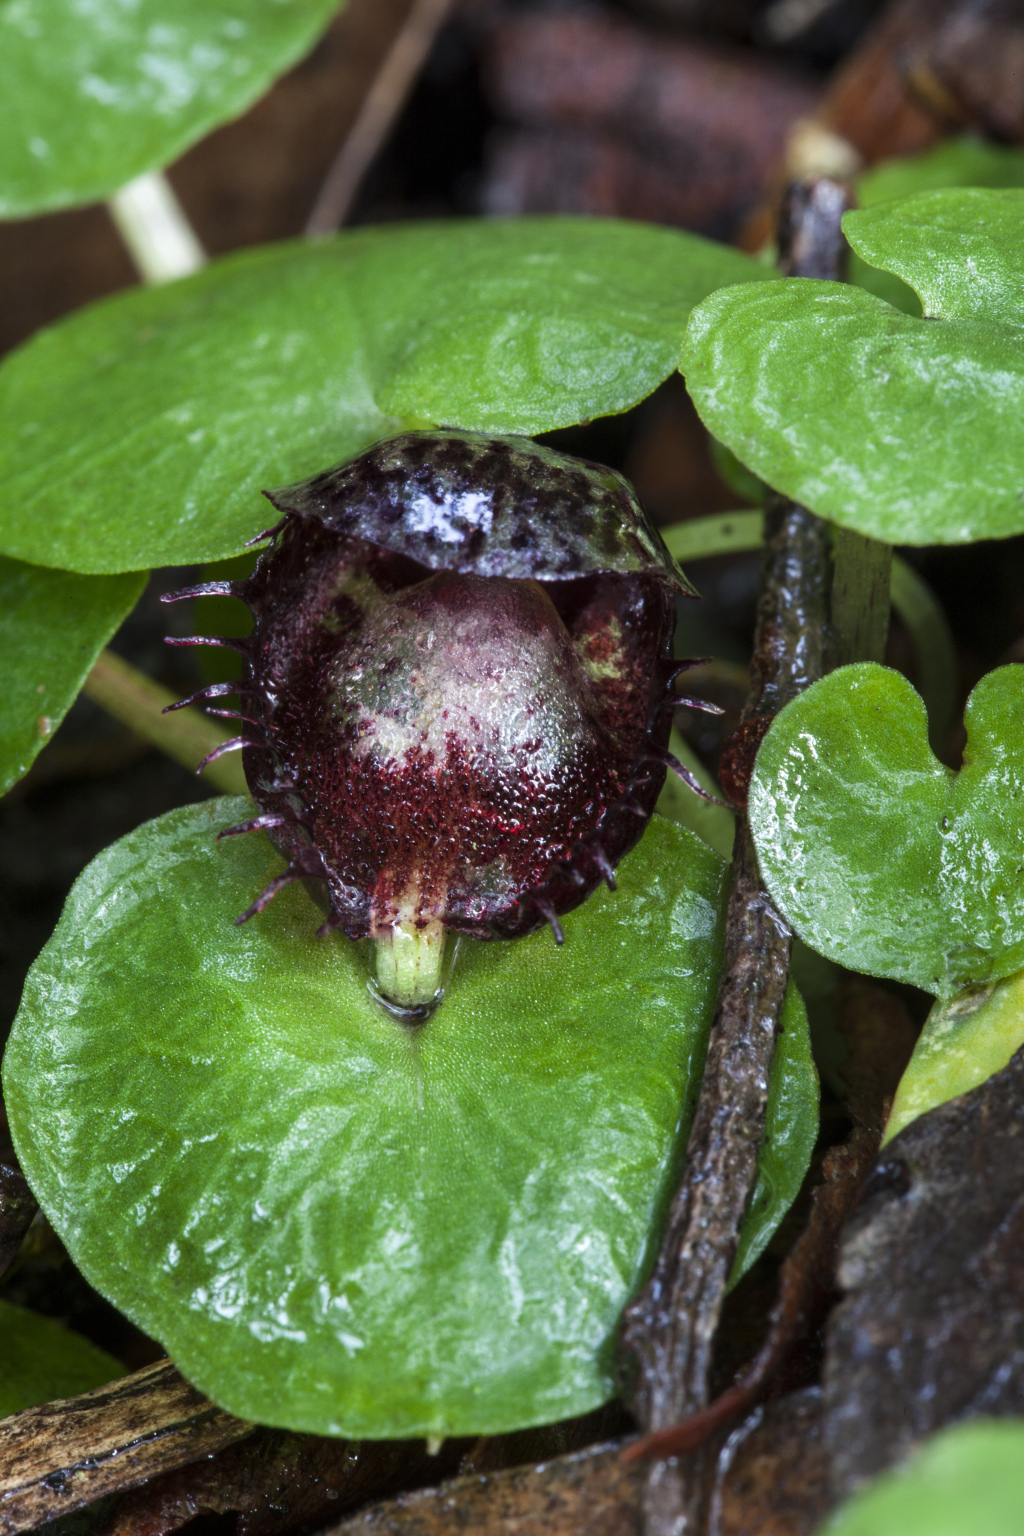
(409, 961)
(965, 1040)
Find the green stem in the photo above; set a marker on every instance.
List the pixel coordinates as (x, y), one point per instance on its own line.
(861, 597)
(728, 533)
(156, 230)
(409, 963)
(186, 735)
(938, 673)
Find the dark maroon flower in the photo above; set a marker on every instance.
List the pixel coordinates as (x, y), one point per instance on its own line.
(455, 708)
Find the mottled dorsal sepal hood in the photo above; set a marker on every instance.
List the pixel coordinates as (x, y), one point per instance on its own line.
(457, 678)
(487, 506)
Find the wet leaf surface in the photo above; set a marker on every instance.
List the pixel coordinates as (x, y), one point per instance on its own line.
(53, 626)
(931, 1328)
(96, 94)
(908, 430)
(334, 1224)
(959, 250)
(141, 431)
(883, 859)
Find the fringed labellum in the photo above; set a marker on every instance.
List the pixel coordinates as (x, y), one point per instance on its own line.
(456, 704)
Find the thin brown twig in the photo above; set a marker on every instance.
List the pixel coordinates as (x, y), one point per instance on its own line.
(668, 1332)
(805, 1287)
(380, 108)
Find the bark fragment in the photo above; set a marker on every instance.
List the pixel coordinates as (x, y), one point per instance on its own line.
(588, 1494)
(932, 1326)
(772, 1473)
(275, 1480)
(62, 1455)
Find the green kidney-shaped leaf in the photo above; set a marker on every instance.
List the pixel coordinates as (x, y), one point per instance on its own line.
(965, 1481)
(959, 250)
(908, 430)
(331, 1222)
(881, 858)
(40, 1360)
(141, 431)
(961, 162)
(53, 626)
(95, 94)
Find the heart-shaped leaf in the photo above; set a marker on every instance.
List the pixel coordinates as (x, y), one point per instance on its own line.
(908, 430)
(881, 858)
(141, 431)
(334, 1223)
(95, 94)
(53, 626)
(40, 1360)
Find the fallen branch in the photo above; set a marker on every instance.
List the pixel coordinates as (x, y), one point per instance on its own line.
(62, 1455)
(669, 1330)
(275, 1480)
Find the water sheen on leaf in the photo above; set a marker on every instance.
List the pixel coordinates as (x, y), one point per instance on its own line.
(141, 431)
(41, 1360)
(881, 858)
(335, 1224)
(909, 430)
(96, 94)
(53, 626)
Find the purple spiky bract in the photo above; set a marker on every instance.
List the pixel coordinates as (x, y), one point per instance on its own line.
(457, 673)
